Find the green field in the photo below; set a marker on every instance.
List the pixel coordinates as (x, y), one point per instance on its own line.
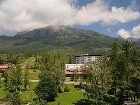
(33, 74)
(28, 96)
(68, 98)
(65, 98)
(2, 92)
(24, 94)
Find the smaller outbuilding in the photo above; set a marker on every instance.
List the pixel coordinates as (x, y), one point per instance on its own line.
(4, 66)
(71, 69)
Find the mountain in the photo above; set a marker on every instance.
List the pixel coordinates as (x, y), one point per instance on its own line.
(138, 42)
(55, 37)
(133, 40)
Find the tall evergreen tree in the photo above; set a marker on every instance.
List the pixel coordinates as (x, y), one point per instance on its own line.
(14, 82)
(98, 77)
(26, 79)
(123, 62)
(46, 89)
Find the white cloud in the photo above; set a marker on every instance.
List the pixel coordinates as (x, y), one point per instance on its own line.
(123, 33)
(134, 33)
(20, 15)
(99, 12)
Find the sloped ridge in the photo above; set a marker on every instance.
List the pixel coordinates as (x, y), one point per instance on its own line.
(60, 37)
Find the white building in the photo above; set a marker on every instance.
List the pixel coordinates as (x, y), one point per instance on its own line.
(78, 67)
(86, 58)
(71, 69)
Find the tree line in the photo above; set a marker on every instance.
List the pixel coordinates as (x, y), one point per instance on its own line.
(112, 79)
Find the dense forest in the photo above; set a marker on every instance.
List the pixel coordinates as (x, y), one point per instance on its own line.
(111, 80)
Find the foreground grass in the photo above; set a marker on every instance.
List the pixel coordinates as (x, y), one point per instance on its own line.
(27, 64)
(25, 95)
(2, 92)
(28, 96)
(65, 98)
(68, 98)
(33, 74)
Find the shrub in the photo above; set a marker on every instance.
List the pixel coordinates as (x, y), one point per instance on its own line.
(66, 89)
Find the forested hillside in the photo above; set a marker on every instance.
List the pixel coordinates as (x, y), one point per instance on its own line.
(58, 37)
(39, 77)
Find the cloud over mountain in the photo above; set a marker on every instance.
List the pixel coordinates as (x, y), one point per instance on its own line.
(134, 33)
(20, 15)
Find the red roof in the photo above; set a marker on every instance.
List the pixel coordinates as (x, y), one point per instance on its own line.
(71, 71)
(74, 69)
(5, 65)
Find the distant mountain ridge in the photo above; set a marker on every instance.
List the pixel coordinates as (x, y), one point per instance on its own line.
(55, 37)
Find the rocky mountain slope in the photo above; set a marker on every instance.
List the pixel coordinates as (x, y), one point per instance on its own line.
(54, 37)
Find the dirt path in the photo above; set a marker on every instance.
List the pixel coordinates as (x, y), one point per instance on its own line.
(33, 80)
(71, 82)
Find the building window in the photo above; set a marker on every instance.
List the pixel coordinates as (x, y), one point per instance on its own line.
(96, 57)
(82, 62)
(89, 58)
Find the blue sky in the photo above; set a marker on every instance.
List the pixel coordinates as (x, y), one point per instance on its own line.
(112, 30)
(110, 17)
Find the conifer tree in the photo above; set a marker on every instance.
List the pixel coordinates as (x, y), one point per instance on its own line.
(26, 79)
(98, 79)
(14, 82)
(46, 89)
(123, 60)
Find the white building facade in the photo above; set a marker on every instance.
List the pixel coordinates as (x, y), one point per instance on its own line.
(86, 58)
(80, 61)
(71, 69)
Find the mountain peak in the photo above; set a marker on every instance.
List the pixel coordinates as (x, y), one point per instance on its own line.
(57, 27)
(61, 37)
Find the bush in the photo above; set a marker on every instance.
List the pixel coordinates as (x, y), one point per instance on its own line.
(109, 98)
(85, 102)
(46, 89)
(59, 90)
(66, 89)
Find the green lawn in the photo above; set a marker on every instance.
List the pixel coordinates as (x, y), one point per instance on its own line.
(25, 95)
(30, 94)
(65, 98)
(68, 98)
(33, 74)
(2, 92)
